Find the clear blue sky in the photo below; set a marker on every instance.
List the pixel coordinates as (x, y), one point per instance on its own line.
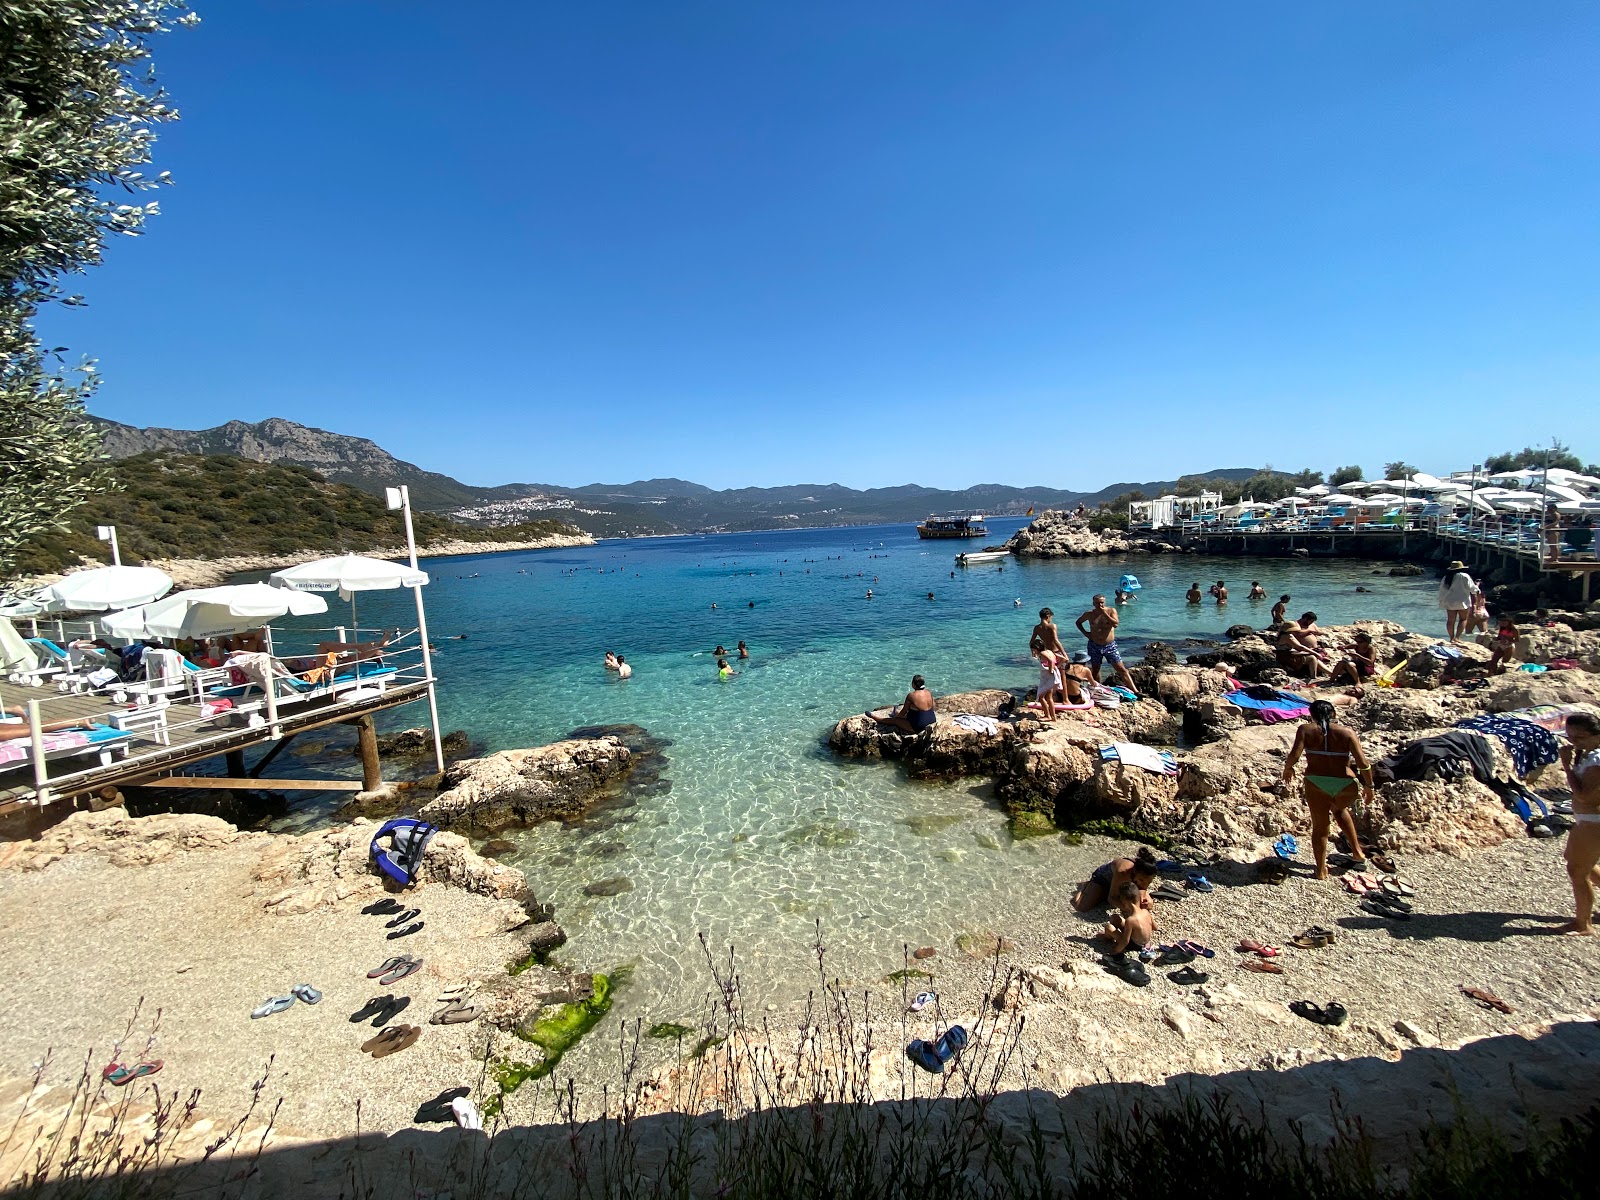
(945, 243)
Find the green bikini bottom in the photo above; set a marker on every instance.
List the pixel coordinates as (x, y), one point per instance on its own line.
(1329, 785)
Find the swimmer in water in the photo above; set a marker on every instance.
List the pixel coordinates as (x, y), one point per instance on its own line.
(611, 660)
(724, 670)
(743, 653)
(869, 593)
(624, 671)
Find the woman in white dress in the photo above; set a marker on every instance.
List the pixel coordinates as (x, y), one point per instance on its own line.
(1456, 591)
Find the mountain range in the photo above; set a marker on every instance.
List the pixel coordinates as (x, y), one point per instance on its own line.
(648, 506)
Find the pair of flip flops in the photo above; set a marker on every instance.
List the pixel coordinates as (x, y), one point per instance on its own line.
(1197, 882)
(1333, 1014)
(1171, 956)
(454, 1013)
(277, 1004)
(118, 1075)
(1188, 976)
(1167, 890)
(1391, 907)
(392, 1040)
(1251, 946)
(380, 1010)
(1360, 883)
(393, 970)
(1286, 846)
(1314, 938)
(406, 931)
(1129, 970)
(932, 1056)
(1198, 949)
(402, 917)
(1273, 870)
(386, 907)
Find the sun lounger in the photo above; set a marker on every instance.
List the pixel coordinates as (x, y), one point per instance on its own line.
(98, 741)
(292, 687)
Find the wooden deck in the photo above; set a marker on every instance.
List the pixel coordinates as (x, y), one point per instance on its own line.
(190, 744)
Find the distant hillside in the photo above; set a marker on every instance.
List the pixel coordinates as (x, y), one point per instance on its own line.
(207, 506)
(650, 506)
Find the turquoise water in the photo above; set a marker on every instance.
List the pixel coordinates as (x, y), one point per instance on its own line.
(757, 831)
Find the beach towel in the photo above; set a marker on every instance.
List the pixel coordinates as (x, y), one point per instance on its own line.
(1272, 716)
(1104, 696)
(1548, 716)
(1441, 651)
(987, 726)
(1531, 746)
(21, 749)
(1157, 762)
(1281, 702)
(1447, 756)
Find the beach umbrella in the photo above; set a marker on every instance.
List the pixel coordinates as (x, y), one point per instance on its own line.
(20, 606)
(349, 574)
(1340, 498)
(1520, 497)
(105, 588)
(1423, 480)
(211, 612)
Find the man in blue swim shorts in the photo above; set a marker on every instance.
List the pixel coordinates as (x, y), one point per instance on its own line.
(1099, 626)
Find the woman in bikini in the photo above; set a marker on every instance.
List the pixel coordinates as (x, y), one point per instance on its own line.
(1108, 879)
(1334, 764)
(1581, 761)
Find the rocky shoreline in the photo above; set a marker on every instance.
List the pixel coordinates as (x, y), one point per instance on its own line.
(1222, 798)
(1058, 534)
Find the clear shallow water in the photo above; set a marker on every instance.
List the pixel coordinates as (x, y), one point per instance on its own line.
(761, 831)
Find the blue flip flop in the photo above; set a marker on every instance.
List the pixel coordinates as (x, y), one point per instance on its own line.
(1286, 846)
(950, 1043)
(1196, 948)
(1198, 882)
(275, 1005)
(307, 993)
(923, 1054)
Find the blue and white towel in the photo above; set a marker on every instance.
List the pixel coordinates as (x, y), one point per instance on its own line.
(1530, 746)
(1157, 762)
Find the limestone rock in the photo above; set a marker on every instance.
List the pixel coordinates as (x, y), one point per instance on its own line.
(126, 841)
(943, 750)
(524, 787)
(1415, 1033)
(512, 1002)
(416, 742)
(1437, 817)
(1178, 1019)
(1057, 534)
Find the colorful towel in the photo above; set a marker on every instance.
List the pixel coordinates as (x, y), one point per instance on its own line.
(21, 749)
(1530, 746)
(1157, 762)
(1284, 702)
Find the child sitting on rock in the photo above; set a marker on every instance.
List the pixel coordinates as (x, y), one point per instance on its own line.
(1505, 645)
(1131, 927)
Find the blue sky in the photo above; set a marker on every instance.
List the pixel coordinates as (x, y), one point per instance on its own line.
(945, 243)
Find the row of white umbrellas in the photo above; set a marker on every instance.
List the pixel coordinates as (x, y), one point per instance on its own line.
(134, 597)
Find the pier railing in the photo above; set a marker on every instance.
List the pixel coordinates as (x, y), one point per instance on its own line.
(123, 727)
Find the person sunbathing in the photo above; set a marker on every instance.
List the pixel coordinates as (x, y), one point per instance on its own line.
(915, 713)
(11, 731)
(1131, 927)
(357, 651)
(1297, 650)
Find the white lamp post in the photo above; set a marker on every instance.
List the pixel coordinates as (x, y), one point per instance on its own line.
(400, 498)
(108, 533)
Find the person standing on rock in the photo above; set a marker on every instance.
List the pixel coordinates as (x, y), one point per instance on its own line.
(1581, 760)
(1047, 637)
(1099, 626)
(1456, 591)
(1335, 763)
(1049, 684)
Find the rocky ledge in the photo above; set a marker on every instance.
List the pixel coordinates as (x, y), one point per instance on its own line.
(1057, 534)
(1223, 796)
(523, 787)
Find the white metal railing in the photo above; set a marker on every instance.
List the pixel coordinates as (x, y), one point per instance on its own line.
(146, 714)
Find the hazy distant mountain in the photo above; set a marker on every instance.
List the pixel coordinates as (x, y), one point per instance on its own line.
(648, 506)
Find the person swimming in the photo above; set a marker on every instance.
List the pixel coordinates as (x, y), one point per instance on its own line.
(724, 670)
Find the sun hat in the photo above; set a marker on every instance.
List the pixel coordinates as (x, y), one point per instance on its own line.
(1456, 565)
(1080, 657)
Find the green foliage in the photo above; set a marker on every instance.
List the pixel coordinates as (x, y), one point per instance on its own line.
(78, 111)
(208, 506)
(1399, 470)
(1344, 475)
(1557, 454)
(669, 1030)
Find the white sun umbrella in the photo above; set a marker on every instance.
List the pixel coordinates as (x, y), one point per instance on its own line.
(102, 589)
(20, 606)
(1519, 497)
(349, 574)
(1423, 480)
(1340, 498)
(212, 612)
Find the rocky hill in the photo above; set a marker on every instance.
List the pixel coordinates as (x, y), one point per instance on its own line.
(650, 506)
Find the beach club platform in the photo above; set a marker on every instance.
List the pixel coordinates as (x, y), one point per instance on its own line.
(162, 743)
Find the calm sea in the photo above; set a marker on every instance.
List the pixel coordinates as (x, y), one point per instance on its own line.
(754, 831)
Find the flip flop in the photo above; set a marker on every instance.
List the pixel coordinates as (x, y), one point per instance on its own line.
(388, 1035)
(1185, 976)
(466, 1114)
(275, 1005)
(1286, 846)
(389, 964)
(1323, 931)
(1169, 866)
(1335, 1013)
(1396, 886)
(1309, 940)
(1198, 949)
(116, 1073)
(1251, 946)
(1382, 910)
(406, 968)
(406, 932)
(392, 1008)
(1198, 882)
(382, 907)
(1129, 970)
(405, 1041)
(1311, 1012)
(1382, 861)
(307, 993)
(951, 1043)
(923, 1000)
(121, 1076)
(1487, 999)
(1388, 901)
(1356, 885)
(1167, 891)
(1261, 966)
(1171, 956)
(437, 1111)
(456, 1014)
(400, 920)
(370, 1009)
(922, 1053)
(1274, 871)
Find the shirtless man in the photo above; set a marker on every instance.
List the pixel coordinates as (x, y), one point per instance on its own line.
(1280, 610)
(624, 671)
(1257, 592)
(1047, 637)
(916, 711)
(1581, 759)
(1194, 595)
(1099, 626)
(1219, 589)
